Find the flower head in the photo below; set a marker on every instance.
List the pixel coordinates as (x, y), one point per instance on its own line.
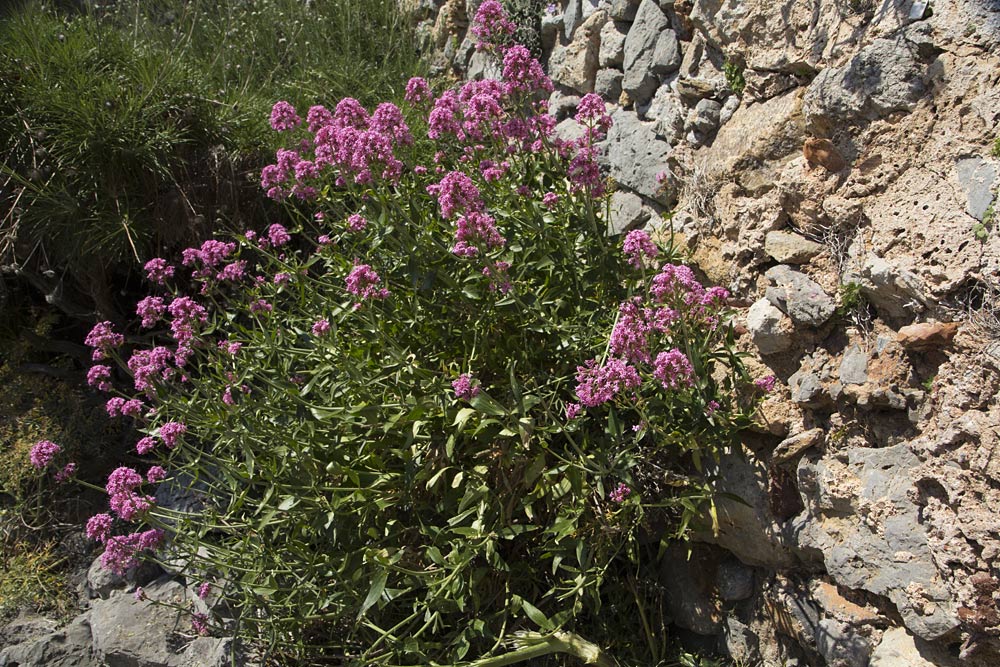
(466, 387)
(42, 453)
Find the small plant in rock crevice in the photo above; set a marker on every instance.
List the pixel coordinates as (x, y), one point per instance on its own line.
(442, 409)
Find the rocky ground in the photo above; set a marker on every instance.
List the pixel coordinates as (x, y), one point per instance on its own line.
(831, 162)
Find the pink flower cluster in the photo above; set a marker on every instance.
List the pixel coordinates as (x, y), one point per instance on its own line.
(150, 366)
(475, 232)
(158, 271)
(766, 384)
(364, 283)
(99, 376)
(638, 245)
(123, 499)
(492, 26)
(103, 339)
(119, 407)
(42, 453)
(356, 222)
(456, 193)
(121, 553)
(630, 336)
(171, 432)
(673, 369)
(283, 117)
(151, 310)
(620, 493)
(417, 91)
(321, 327)
(597, 385)
(466, 387)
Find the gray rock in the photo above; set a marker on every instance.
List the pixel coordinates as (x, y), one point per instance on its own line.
(747, 529)
(807, 389)
(899, 648)
(668, 113)
(561, 105)
(870, 534)
(572, 17)
(102, 582)
(689, 582)
(624, 10)
(734, 581)
(977, 177)
(841, 645)
(570, 130)
(854, 366)
(25, 627)
(612, 53)
(739, 642)
(799, 296)
(482, 66)
(132, 633)
(68, 647)
(666, 54)
(608, 84)
(790, 248)
(884, 77)
(640, 44)
(635, 156)
(552, 27)
(729, 108)
(792, 446)
(705, 116)
(574, 64)
(770, 329)
(627, 212)
(896, 292)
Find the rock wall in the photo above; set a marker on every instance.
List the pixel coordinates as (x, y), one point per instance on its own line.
(830, 162)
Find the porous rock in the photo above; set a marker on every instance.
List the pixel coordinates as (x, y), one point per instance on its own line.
(798, 296)
(770, 329)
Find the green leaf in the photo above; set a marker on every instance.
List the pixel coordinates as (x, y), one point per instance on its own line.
(536, 616)
(374, 593)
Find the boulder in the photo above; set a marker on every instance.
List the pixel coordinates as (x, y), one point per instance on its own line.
(792, 446)
(899, 648)
(790, 248)
(705, 116)
(67, 647)
(884, 77)
(854, 366)
(926, 336)
(861, 518)
(608, 84)
(640, 45)
(895, 291)
(575, 64)
(635, 155)
(612, 51)
(770, 330)
(978, 179)
(799, 297)
(627, 212)
(138, 633)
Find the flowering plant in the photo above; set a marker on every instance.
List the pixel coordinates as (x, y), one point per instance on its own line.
(440, 409)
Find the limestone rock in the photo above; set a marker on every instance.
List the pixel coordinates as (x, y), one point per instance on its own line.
(635, 155)
(668, 113)
(627, 212)
(569, 130)
(866, 526)
(883, 77)
(899, 648)
(925, 336)
(640, 44)
(747, 529)
(612, 51)
(575, 64)
(978, 179)
(691, 594)
(799, 296)
(705, 116)
(854, 366)
(608, 84)
(791, 447)
(68, 647)
(666, 54)
(624, 10)
(133, 633)
(807, 388)
(734, 581)
(895, 291)
(770, 330)
(790, 248)
(562, 106)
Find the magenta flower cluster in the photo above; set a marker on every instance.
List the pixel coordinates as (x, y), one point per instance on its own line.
(465, 386)
(492, 26)
(42, 453)
(103, 339)
(639, 246)
(620, 493)
(364, 283)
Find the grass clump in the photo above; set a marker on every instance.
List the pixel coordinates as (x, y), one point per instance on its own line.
(132, 128)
